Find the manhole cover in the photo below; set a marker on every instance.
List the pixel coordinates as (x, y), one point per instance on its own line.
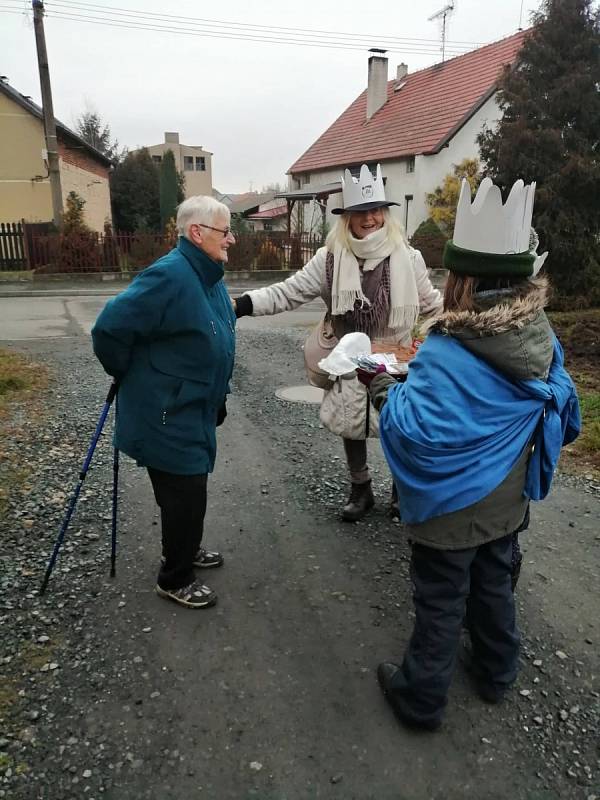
(300, 394)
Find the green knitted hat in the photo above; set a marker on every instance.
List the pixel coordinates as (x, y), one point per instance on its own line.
(488, 265)
(491, 238)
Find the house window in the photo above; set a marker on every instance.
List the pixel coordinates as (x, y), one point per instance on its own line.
(305, 180)
(267, 225)
(410, 164)
(157, 159)
(407, 201)
(200, 164)
(188, 163)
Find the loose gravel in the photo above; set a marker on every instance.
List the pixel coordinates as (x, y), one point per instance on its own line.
(62, 662)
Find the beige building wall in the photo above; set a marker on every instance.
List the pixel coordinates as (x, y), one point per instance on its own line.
(194, 162)
(24, 191)
(24, 187)
(92, 188)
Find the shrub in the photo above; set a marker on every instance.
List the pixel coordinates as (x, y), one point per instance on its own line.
(171, 233)
(110, 248)
(269, 256)
(146, 248)
(430, 240)
(296, 259)
(75, 249)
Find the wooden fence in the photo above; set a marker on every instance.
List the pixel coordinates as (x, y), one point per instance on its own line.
(49, 252)
(88, 251)
(39, 247)
(272, 250)
(13, 251)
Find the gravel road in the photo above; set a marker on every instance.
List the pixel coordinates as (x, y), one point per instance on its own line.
(106, 691)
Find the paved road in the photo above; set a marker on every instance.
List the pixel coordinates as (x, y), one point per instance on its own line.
(62, 315)
(271, 695)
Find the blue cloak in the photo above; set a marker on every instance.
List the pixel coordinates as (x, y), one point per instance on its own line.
(453, 432)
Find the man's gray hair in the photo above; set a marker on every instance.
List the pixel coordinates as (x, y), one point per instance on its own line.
(200, 209)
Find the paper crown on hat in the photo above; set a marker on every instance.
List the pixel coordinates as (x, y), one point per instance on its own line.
(492, 238)
(364, 192)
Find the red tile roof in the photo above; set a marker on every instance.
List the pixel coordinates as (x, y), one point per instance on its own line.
(269, 213)
(419, 118)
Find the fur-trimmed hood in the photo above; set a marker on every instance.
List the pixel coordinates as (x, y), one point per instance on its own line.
(496, 312)
(508, 329)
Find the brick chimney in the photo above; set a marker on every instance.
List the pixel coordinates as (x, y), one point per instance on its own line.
(401, 71)
(171, 138)
(377, 84)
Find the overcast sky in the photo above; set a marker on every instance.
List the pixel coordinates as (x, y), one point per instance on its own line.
(257, 106)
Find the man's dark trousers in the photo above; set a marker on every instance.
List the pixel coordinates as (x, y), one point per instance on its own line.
(182, 501)
(447, 585)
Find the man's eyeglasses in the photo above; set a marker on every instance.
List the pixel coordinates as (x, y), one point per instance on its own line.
(224, 231)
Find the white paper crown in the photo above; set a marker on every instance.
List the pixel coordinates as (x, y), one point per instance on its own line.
(488, 226)
(364, 189)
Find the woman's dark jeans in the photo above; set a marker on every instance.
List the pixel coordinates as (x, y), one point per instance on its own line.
(182, 501)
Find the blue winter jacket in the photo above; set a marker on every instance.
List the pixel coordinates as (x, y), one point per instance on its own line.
(454, 431)
(169, 339)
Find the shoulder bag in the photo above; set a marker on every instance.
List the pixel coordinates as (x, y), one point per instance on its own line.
(319, 344)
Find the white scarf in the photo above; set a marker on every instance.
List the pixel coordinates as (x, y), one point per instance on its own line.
(347, 288)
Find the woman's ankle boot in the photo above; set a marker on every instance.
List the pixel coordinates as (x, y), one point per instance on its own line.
(360, 501)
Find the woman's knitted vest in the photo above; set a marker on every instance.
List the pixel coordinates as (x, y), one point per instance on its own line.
(370, 319)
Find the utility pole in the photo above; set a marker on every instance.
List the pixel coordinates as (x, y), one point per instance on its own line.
(48, 111)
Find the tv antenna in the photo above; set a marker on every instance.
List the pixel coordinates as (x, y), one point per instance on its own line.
(443, 14)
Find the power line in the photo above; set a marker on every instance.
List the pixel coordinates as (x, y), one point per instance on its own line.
(118, 11)
(253, 35)
(215, 35)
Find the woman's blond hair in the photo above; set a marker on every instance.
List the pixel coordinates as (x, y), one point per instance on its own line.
(340, 233)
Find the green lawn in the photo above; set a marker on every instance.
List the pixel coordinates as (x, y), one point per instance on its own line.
(19, 378)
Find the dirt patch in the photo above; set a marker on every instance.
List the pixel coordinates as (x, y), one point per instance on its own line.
(18, 375)
(579, 334)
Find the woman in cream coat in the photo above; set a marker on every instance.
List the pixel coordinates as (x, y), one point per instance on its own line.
(370, 279)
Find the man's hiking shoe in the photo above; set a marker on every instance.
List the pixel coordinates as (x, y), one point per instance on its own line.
(206, 559)
(195, 595)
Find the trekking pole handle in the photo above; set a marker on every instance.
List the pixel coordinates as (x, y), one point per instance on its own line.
(112, 392)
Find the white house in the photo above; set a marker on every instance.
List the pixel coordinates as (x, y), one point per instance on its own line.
(270, 216)
(417, 126)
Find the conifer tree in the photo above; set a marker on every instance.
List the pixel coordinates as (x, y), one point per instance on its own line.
(95, 132)
(169, 187)
(550, 133)
(134, 192)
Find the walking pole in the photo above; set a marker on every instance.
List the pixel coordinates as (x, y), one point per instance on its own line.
(86, 465)
(115, 499)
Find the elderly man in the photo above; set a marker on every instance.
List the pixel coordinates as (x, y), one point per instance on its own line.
(169, 341)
